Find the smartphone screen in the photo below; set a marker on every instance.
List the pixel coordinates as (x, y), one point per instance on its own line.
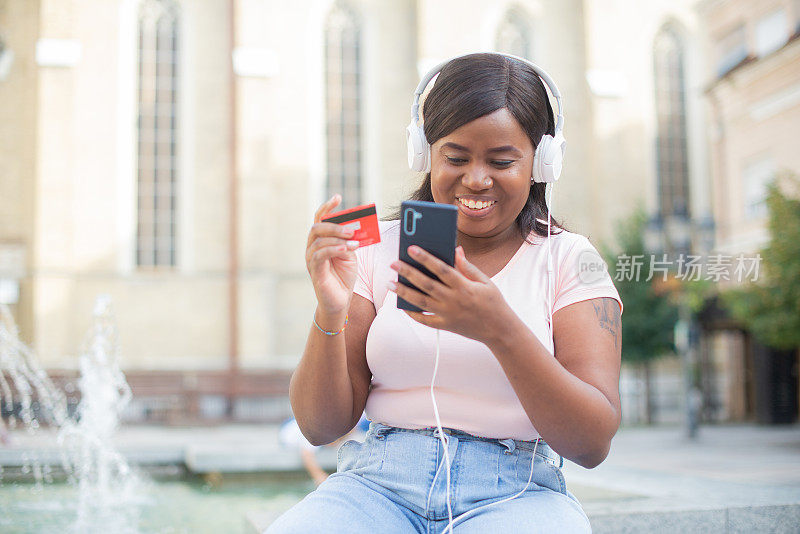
(432, 227)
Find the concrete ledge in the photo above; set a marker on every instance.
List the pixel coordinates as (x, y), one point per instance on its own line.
(257, 522)
(748, 519)
(196, 459)
(206, 460)
(706, 521)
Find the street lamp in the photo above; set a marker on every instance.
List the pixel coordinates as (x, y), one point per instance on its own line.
(678, 234)
(654, 234)
(675, 235)
(704, 232)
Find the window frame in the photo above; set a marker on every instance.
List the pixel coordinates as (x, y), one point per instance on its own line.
(671, 139)
(343, 82)
(731, 50)
(158, 80)
(768, 39)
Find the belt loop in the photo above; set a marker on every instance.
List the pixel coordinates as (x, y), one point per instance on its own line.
(380, 430)
(550, 453)
(510, 445)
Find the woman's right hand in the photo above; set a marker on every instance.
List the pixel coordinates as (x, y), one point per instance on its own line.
(331, 261)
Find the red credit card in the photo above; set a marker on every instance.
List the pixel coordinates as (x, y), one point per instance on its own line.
(362, 219)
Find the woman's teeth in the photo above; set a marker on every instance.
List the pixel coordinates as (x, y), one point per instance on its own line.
(476, 204)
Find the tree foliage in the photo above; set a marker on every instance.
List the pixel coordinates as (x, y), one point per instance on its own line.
(770, 306)
(650, 314)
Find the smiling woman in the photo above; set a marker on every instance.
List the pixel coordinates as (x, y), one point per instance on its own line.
(525, 344)
(508, 93)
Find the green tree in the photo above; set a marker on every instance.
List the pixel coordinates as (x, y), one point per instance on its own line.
(650, 312)
(770, 306)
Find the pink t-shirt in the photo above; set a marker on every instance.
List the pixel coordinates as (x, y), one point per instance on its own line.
(472, 391)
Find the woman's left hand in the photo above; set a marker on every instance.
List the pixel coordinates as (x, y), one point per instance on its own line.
(465, 301)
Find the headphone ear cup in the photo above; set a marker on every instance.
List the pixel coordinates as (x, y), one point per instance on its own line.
(548, 159)
(418, 149)
(427, 157)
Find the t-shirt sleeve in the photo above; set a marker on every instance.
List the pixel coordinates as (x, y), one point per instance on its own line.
(364, 259)
(583, 275)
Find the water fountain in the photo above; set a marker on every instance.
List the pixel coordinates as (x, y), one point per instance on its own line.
(103, 493)
(109, 492)
(28, 381)
(107, 486)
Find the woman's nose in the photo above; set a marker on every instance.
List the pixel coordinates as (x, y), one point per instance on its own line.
(476, 179)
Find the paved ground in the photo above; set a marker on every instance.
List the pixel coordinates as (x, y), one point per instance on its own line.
(730, 479)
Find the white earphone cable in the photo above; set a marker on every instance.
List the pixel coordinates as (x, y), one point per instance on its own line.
(530, 477)
(549, 265)
(418, 149)
(444, 440)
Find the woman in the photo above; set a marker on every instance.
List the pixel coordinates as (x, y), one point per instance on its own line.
(500, 382)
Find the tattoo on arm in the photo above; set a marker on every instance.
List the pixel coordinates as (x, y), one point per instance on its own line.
(607, 312)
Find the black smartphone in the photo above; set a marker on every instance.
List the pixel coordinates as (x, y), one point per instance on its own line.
(432, 227)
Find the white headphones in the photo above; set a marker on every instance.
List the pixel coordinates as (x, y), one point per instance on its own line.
(549, 155)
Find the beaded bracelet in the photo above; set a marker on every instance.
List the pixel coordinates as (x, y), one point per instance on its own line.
(331, 333)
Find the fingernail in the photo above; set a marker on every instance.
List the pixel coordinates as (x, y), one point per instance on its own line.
(352, 244)
(413, 250)
(392, 285)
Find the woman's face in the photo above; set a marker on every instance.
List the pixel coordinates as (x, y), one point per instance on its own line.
(484, 168)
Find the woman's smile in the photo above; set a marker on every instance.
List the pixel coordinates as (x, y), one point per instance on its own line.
(475, 206)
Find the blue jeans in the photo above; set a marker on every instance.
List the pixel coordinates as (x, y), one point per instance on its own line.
(384, 485)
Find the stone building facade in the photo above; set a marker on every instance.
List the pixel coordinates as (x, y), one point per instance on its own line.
(753, 95)
(172, 153)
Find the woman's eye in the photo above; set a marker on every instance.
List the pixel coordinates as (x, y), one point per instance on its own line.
(502, 163)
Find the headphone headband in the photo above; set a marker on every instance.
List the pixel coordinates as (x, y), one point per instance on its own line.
(549, 153)
(545, 77)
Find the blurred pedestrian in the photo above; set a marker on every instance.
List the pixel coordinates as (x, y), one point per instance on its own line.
(291, 436)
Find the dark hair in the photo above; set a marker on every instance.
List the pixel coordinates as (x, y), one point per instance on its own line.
(475, 85)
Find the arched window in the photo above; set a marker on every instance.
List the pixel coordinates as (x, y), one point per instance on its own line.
(513, 34)
(671, 144)
(158, 62)
(342, 104)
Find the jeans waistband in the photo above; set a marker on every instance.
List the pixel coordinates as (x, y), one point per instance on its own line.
(542, 448)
